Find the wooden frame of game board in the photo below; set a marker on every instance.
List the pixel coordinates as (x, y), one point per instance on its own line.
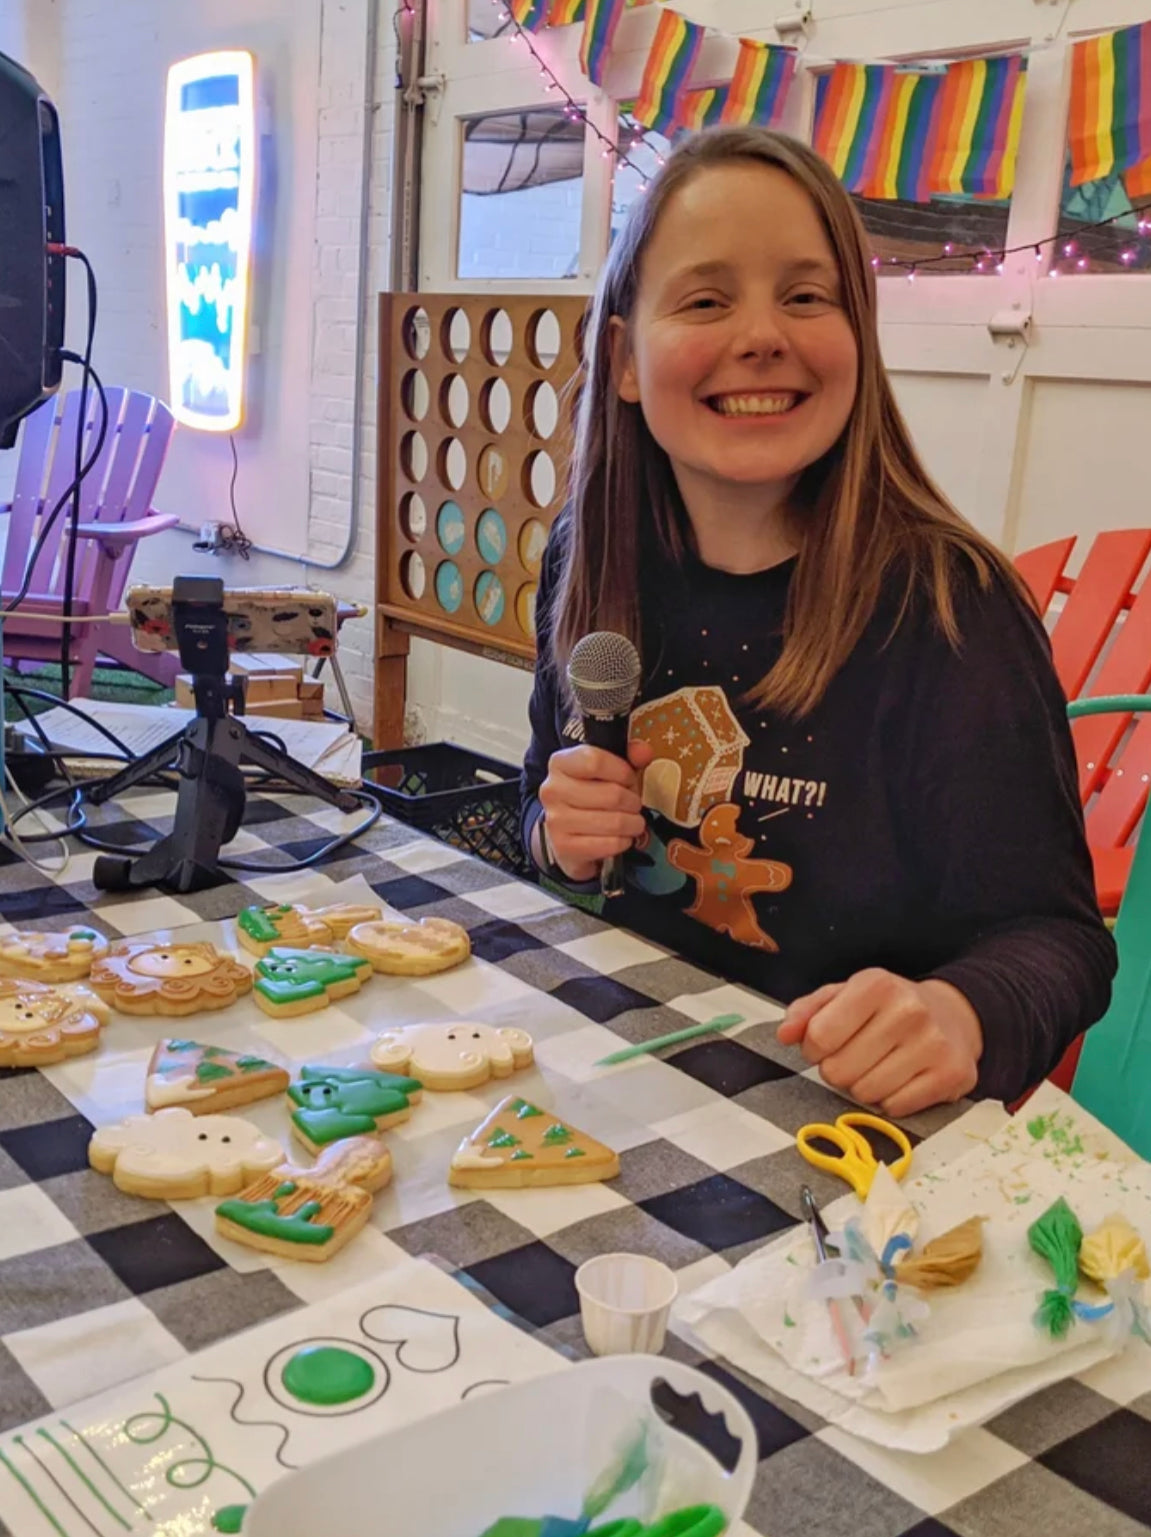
(420, 355)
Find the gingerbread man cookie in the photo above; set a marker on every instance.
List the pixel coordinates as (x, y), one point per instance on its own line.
(40, 1025)
(290, 923)
(43, 957)
(292, 982)
(144, 977)
(309, 1214)
(453, 1056)
(726, 879)
(176, 1156)
(409, 947)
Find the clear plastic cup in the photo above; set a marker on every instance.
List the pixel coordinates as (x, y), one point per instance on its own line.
(625, 1302)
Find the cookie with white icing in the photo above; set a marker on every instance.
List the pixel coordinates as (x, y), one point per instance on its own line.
(176, 1156)
(410, 947)
(291, 923)
(519, 1144)
(146, 977)
(39, 956)
(40, 1024)
(208, 1080)
(453, 1056)
(309, 1214)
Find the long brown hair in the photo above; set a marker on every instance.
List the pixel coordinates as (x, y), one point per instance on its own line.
(871, 512)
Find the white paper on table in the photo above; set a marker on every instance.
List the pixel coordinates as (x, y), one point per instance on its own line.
(980, 1349)
(163, 1454)
(325, 746)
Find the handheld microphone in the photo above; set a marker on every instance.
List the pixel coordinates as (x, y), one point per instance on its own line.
(604, 674)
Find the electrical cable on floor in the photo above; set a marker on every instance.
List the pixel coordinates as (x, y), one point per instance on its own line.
(20, 845)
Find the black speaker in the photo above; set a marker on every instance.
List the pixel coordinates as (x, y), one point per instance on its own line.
(31, 216)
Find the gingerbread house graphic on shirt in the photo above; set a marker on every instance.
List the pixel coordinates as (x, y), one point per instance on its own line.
(698, 745)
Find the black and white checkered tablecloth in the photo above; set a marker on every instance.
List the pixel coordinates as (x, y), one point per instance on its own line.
(97, 1287)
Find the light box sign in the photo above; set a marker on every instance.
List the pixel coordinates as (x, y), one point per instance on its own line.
(209, 203)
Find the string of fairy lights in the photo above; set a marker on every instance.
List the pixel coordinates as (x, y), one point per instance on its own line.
(980, 260)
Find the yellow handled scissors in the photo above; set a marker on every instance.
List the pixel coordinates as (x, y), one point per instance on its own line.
(855, 1162)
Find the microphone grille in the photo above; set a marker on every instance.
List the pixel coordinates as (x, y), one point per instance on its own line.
(604, 673)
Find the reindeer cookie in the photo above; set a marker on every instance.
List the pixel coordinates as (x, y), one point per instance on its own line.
(259, 928)
(453, 1056)
(43, 957)
(144, 977)
(176, 1156)
(410, 947)
(309, 1214)
(40, 1025)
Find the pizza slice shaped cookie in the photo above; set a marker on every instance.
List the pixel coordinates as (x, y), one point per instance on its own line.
(207, 1079)
(520, 1144)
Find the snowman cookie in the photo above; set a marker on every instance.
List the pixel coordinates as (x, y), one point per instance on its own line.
(177, 1156)
(44, 957)
(40, 1025)
(145, 977)
(410, 947)
(291, 923)
(453, 1056)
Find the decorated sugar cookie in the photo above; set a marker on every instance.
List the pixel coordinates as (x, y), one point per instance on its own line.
(143, 977)
(410, 947)
(309, 1214)
(40, 1025)
(337, 1102)
(290, 923)
(298, 981)
(453, 1056)
(44, 957)
(176, 1156)
(520, 1144)
(207, 1079)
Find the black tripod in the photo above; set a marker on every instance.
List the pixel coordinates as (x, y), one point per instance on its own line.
(207, 755)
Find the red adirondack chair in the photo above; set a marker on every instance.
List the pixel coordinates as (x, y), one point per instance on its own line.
(1102, 645)
(115, 511)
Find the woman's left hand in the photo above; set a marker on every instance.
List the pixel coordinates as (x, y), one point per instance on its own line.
(885, 1041)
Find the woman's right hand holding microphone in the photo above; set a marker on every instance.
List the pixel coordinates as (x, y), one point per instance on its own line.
(593, 806)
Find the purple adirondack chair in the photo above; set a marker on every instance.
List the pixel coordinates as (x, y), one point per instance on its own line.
(115, 511)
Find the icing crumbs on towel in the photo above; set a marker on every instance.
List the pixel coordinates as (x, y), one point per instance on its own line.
(1058, 1131)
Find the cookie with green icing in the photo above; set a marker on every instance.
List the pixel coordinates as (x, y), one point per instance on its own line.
(309, 1214)
(290, 982)
(336, 1102)
(291, 923)
(208, 1079)
(520, 1144)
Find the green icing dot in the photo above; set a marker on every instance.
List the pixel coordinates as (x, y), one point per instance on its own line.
(556, 1134)
(325, 1374)
(81, 934)
(503, 1139)
(523, 1153)
(524, 1111)
(230, 1518)
(182, 1045)
(575, 1152)
(206, 1071)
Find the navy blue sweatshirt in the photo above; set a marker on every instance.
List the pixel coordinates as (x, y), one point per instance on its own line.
(923, 818)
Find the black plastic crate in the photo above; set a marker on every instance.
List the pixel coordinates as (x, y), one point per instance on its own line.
(461, 797)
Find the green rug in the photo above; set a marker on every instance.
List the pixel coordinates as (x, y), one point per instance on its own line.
(112, 683)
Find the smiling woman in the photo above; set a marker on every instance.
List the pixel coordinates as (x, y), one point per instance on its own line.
(823, 640)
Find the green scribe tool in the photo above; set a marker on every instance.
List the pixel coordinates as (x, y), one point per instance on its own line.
(720, 1022)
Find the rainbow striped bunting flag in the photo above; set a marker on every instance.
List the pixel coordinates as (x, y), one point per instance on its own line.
(872, 126)
(529, 14)
(1110, 126)
(975, 141)
(601, 18)
(564, 12)
(763, 77)
(670, 62)
(702, 108)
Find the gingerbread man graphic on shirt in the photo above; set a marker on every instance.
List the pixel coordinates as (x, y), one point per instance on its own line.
(726, 879)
